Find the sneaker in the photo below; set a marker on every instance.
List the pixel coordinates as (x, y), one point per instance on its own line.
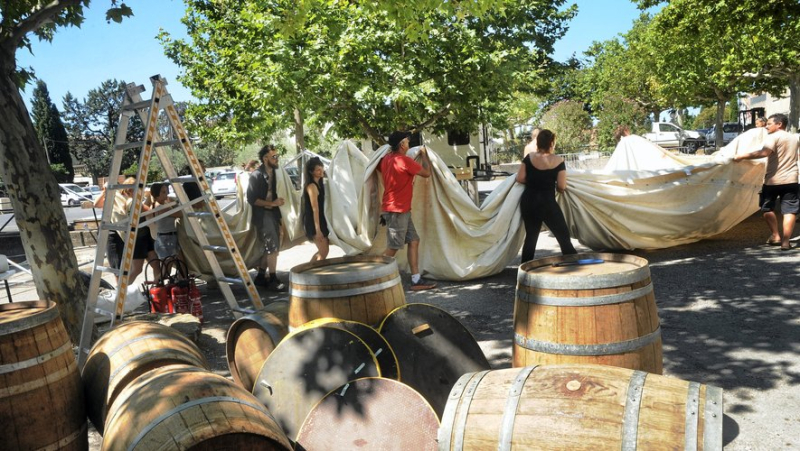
(422, 284)
(261, 280)
(275, 284)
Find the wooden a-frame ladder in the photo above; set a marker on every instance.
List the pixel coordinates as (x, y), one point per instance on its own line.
(148, 111)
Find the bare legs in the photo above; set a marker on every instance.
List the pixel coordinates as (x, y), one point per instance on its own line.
(323, 246)
(413, 255)
(788, 227)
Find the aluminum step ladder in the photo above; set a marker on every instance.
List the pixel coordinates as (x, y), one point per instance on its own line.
(204, 208)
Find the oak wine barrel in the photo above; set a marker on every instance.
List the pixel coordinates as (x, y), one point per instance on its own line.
(603, 312)
(41, 396)
(387, 361)
(363, 288)
(179, 407)
(252, 338)
(305, 367)
(370, 413)
(580, 407)
(433, 350)
(126, 352)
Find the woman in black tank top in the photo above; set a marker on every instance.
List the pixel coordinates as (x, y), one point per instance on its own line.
(314, 223)
(538, 204)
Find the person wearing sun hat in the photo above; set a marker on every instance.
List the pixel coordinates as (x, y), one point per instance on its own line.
(398, 171)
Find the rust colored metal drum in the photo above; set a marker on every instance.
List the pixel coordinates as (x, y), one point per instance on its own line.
(41, 396)
(604, 313)
(433, 349)
(126, 352)
(370, 413)
(305, 367)
(186, 407)
(252, 338)
(363, 288)
(580, 407)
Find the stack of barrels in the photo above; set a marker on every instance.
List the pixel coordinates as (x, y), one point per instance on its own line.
(587, 366)
(347, 354)
(148, 386)
(347, 363)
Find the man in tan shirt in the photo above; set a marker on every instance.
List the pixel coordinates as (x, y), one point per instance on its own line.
(780, 180)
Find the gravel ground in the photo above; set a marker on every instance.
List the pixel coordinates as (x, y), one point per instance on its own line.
(727, 307)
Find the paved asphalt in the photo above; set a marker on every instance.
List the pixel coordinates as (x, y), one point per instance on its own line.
(727, 307)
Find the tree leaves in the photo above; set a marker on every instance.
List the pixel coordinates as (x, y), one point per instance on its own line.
(366, 69)
(118, 13)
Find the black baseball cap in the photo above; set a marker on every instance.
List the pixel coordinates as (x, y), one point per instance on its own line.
(396, 137)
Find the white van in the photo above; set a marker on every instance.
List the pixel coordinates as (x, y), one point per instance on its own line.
(72, 195)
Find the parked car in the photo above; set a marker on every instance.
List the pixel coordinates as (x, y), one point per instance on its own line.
(95, 190)
(224, 184)
(730, 130)
(72, 195)
(666, 134)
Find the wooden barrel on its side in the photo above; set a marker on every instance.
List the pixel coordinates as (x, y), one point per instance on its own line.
(305, 367)
(185, 407)
(41, 396)
(568, 407)
(387, 361)
(252, 338)
(603, 313)
(433, 350)
(126, 352)
(370, 413)
(362, 288)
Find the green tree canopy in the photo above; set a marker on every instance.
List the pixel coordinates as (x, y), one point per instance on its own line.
(51, 132)
(92, 125)
(571, 124)
(625, 68)
(719, 48)
(359, 68)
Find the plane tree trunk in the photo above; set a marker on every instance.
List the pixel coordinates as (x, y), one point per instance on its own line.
(36, 202)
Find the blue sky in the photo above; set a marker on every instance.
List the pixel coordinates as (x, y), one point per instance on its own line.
(80, 59)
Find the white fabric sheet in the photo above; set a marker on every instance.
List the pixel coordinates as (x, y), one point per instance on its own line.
(644, 198)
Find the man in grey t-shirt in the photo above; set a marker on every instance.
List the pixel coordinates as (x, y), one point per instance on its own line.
(780, 180)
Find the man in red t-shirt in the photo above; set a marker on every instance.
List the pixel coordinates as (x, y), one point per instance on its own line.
(398, 171)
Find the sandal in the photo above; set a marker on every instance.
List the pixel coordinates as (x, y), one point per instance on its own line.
(787, 248)
(774, 243)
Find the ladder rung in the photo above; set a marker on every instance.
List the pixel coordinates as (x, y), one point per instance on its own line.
(137, 105)
(120, 226)
(213, 248)
(107, 269)
(183, 179)
(172, 142)
(126, 146)
(200, 214)
(119, 187)
(232, 280)
(104, 312)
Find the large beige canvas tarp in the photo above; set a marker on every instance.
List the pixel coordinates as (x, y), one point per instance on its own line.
(644, 198)
(648, 198)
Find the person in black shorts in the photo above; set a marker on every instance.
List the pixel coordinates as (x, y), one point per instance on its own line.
(780, 180)
(262, 195)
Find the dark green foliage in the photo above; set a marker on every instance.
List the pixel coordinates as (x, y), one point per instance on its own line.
(92, 124)
(50, 131)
